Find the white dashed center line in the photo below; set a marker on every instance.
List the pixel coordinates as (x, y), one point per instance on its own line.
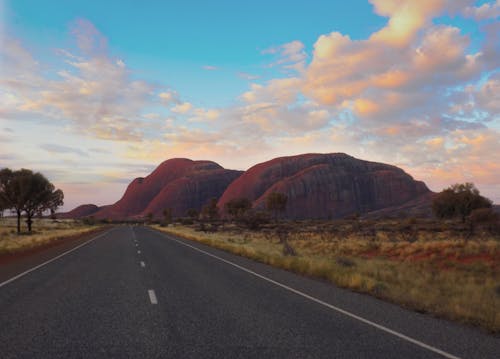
(152, 296)
(143, 264)
(138, 252)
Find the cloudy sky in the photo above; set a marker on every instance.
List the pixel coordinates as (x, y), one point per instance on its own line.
(95, 93)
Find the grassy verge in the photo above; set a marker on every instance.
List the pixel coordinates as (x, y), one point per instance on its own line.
(448, 277)
(44, 232)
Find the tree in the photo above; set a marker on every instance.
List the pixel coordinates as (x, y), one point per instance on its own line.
(193, 213)
(14, 191)
(210, 211)
(276, 203)
(459, 200)
(167, 216)
(5, 178)
(237, 207)
(56, 200)
(254, 219)
(485, 217)
(25, 191)
(41, 196)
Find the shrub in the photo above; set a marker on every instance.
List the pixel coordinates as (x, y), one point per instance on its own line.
(254, 219)
(484, 217)
(276, 203)
(237, 207)
(90, 221)
(459, 200)
(185, 221)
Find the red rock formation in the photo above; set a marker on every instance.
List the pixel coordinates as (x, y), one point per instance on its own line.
(85, 210)
(177, 183)
(420, 207)
(191, 191)
(326, 185)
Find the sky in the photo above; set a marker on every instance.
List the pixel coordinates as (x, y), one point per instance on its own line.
(96, 93)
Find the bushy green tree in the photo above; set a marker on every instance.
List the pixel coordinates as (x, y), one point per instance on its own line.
(459, 200)
(28, 192)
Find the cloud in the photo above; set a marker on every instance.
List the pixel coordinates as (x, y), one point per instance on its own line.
(210, 68)
(406, 18)
(487, 95)
(99, 150)
(168, 97)
(489, 10)
(247, 76)
(151, 116)
(95, 92)
(203, 115)
(289, 56)
(346, 70)
(59, 149)
(8, 157)
(182, 108)
(282, 91)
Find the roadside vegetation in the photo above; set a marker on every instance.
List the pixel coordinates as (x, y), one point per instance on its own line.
(31, 196)
(448, 267)
(29, 193)
(46, 232)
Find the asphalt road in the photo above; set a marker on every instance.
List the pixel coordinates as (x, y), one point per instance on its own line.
(136, 293)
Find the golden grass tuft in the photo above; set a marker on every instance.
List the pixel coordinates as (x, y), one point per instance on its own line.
(45, 231)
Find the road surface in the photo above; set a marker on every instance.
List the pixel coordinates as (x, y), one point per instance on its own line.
(136, 293)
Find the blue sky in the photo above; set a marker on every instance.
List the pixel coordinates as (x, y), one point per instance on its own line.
(110, 89)
(171, 41)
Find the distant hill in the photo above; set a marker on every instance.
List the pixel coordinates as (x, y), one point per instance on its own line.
(179, 184)
(318, 186)
(325, 186)
(85, 210)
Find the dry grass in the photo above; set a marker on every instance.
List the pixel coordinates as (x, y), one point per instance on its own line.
(441, 272)
(45, 231)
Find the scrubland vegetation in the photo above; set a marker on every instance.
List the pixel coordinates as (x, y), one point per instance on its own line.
(444, 267)
(46, 231)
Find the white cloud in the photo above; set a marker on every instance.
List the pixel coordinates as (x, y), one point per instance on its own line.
(95, 93)
(289, 56)
(489, 10)
(182, 108)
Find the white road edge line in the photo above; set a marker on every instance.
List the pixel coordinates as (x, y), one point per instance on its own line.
(143, 264)
(53, 259)
(152, 296)
(328, 305)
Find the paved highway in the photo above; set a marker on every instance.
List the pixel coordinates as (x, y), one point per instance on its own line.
(136, 293)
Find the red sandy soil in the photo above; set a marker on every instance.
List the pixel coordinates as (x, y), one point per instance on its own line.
(491, 260)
